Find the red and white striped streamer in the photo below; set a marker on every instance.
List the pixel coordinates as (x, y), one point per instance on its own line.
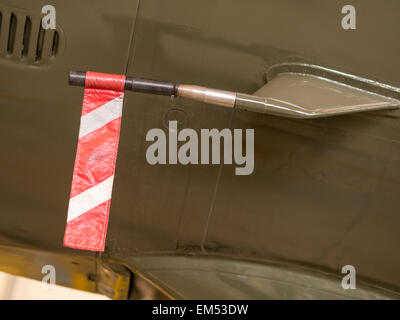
(94, 168)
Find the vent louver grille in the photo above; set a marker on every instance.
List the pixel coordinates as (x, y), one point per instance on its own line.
(23, 40)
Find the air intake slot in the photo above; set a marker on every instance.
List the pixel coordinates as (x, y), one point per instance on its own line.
(39, 46)
(54, 48)
(11, 33)
(23, 39)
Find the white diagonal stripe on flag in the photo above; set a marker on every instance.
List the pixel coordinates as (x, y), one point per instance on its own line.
(90, 198)
(101, 116)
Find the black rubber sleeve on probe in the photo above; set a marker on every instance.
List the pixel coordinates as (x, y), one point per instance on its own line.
(165, 88)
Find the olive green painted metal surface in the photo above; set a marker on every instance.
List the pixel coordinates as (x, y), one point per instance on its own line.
(324, 192)
(39, 121)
